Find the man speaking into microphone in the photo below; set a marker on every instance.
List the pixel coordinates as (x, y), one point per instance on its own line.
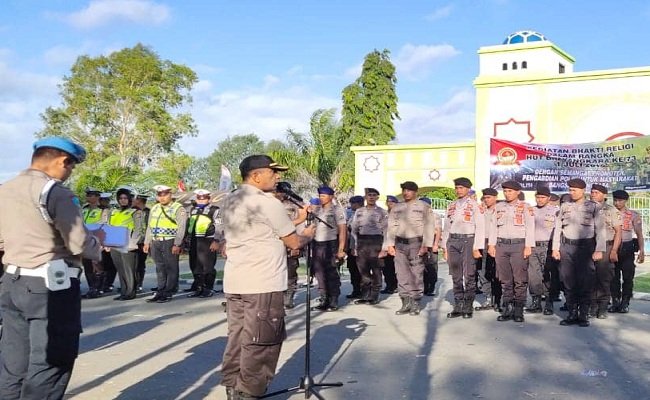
(257, 231)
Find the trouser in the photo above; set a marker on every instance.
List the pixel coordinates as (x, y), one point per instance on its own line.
(430, 272)
(512, 269)
(389, 273)
(166, 266)
(325, 270)
(109, 271)
(462, 267)
(125, 263)
(90, 273)
(487, 276)
(552, 277)
(369, 264)
(409, 266)
(624, 268)
(293, 262)
(202, 261)
(256, 331)
(141, 265)
(40, 337)
(355, 276)
(603, 278)
(536, 269)
(577, 272)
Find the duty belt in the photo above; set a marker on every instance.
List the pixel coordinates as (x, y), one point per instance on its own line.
(541, 244)
(461, 235)
(370, 237)
(402, 240)
(161, 239)
(511, 241)
(39, 271)
(577, 241)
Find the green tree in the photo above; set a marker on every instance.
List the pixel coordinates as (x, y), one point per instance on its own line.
(230, 152)
(127, 104)
(370, 103)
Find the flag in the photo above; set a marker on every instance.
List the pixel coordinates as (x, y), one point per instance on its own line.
(180, 185)
(225, 182)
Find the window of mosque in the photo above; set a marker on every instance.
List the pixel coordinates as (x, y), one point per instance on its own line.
(524, 65)
(514, 65)
(561, 68)
(504, 66)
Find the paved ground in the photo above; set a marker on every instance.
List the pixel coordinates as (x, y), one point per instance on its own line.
(136, 350)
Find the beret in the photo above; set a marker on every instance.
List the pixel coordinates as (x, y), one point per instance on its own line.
(371, 191)
(602, 189)
(426, 200)
(392, 198)
(555, 197)
(576, 183)
(620, 194)
(543, 191)
(514, 185)
(490, 192)
(463, 182)
(409, 185)
(326, 190)
(356, 199)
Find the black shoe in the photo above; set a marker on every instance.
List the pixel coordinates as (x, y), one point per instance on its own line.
(518, 313)
(406, 306)
(616, 305)
(548, 308)
(507, 314)
(572, 317)
(126, 298)
(197, 293)
(154, 299)
(361, 301)
(415, 307)
(457, 311)
(353, 295)
(118, 298)
(206, 293)
(624, 308)
(154, 289)
(535, 306)
(333, 304)
(388, 291)
(165, 299)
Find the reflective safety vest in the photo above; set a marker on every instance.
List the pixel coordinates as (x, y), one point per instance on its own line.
(92, 215)
(161, 225)
(200, 223)
(122, 217)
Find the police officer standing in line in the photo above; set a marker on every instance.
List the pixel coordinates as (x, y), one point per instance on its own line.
(108, 271)
(356, 202)
(125, 260)
(631, 226)
(92, 214)
(410, 230)
(512, 237)
(164, 240)
(462, 240)
(297, 216)
(368, 226)
(487, 276)
(328, 246)
(44, 239)
(140, 202)
(540, 261)
(605, 266)
(578, 240)
(430, 275)
(203, 243)
(389, 261)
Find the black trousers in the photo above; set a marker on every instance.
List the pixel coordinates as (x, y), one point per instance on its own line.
(355, 276)
(624, 268)
(40, 338)
(166, 266)
(292, 271)
(487, 277)
(141, 265)
(324, 266)
(202, 262)
(89, 273)
(462, 267)
(389, 273)
(577, 272)
(430, 272)
(369, 265)
(110, 272)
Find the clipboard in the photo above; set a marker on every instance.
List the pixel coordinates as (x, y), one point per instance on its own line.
(116, 236)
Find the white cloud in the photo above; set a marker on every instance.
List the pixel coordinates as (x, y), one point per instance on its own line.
(440, 13)
(450, 122)
(353, 72)
(66, 55)
(103, 12)
(415, 62)
(270, 81)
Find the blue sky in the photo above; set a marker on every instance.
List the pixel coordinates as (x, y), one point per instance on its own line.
(265, 66)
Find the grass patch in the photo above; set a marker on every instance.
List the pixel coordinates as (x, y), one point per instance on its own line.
(642, 283)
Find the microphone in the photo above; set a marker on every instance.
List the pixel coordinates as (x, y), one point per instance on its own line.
(285, 188)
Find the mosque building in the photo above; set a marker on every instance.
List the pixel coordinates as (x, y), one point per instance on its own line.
(526, 92)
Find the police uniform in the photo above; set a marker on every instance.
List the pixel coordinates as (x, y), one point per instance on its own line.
(389, 261)
(353, 268)
(540, 263)
(108, 271)
(512, 231)
(579, 232)
(165, 230)
(293, 259)
(487, 275)
(464, 233)
(367, 227)
(43, 234)
(92, 214)
(410, 228)
(202, 233)
(431, 260)
(632, 241)
(141, 255)
(605, 267)
(325, 247)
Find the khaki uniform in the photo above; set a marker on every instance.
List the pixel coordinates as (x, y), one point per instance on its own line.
(631, 221)
(431, 262)
(605, 268)
(410, 227)
(487, 275)
(540, 264)
(367, 227)
(464, 233)
(325, 247)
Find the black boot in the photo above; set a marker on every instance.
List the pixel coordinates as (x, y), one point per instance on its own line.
(333, 303)
(322, 306)
(592, 310)
(364, 298)
(535, 306)
(548, 307)
(406, 306)
(197, 292)
(616, 305)
(601, 313)
(288, 300)
(468, 309)
(415, 307)
(459, 306)
(625, 305)
(518, 312)
(354, 295)
(572, 317)
(497, 304)
(487, 305)
(507, 313)
(374, 299)
(583, 315)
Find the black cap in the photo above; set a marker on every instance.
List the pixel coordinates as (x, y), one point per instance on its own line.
(514, 185)
(409, 185)
(602, 189)
(371, 191)
(542, 191)
(463, 182)
(142, 197)
(555, 197)
(576, 183)
(490, 192)
(620, 194)
(356, 199)
(259, 161)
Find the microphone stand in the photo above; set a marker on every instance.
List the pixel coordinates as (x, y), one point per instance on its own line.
(306, 382)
